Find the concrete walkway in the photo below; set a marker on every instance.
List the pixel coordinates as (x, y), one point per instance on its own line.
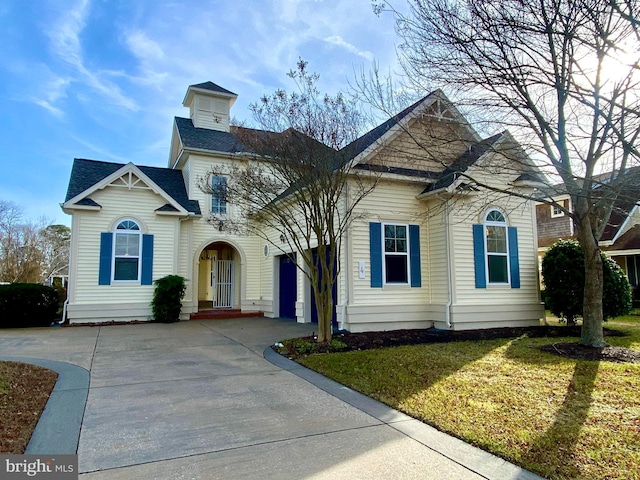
(198, 400)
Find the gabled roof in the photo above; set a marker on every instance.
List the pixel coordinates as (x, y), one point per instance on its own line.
(462, 163)
(630, 240)
(359, 145)
(627, 200)
(620, 213)
(85, 174)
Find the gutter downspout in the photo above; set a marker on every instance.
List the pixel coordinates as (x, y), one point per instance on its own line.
(64, 311)
(447, 310)
(347, 262)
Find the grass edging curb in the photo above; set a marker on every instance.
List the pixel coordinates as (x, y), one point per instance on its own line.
(479, 461)
(58, 430)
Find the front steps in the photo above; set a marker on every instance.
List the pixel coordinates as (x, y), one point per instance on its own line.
(220, 313)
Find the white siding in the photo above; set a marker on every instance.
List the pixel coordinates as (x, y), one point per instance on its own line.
(248, 262)
(117, 204)
(495, 305)
(392, 202)
(211, 113)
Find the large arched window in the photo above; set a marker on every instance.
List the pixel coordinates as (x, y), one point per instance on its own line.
(127, 250)
(497, 247)
(495, 251)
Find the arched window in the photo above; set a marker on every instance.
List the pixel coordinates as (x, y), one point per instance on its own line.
(127, 250)
(497, 247)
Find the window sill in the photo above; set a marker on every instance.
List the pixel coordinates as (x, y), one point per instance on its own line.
(396, 286)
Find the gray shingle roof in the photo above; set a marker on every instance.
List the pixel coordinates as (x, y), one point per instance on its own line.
(408, 172)
(206, 139)
(462, 163)
(213, 87)
(86, 173)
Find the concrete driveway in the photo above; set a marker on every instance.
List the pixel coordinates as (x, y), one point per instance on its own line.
(198, 400)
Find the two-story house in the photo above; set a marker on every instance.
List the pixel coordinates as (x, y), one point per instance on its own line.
(427, 249)
(620, 239)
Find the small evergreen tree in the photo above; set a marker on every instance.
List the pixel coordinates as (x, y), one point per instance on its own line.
(563, 277)
(167, 298)
(616, 296)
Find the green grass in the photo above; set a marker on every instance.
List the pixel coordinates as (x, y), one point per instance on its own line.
(560, 418)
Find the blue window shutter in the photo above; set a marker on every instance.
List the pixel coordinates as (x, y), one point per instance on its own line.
(106, 249)
(146, 277)
(478, 256)
(631, 271)
(513, 257)
(414, 247)
(375, 254)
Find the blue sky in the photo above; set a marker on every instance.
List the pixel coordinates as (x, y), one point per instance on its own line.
(103, 79)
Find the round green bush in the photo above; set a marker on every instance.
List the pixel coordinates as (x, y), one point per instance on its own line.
(563, 277)
(167, 298)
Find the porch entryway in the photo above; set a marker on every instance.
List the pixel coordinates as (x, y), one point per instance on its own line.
(217, 275)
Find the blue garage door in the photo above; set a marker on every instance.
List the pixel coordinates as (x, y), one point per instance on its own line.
(288, 287)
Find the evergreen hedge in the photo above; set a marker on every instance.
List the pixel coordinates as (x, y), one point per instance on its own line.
(27, 305)
(167, 298)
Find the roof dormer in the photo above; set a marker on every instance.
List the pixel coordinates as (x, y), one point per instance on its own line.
(209, 105)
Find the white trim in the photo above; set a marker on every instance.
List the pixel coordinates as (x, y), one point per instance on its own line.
(624, 224)
(128, 168)
(66, 207)
(403, 125)
(396, 254)
(559, 214)
(113, 252)
(220, 203)
(192, 90)
(492, 223)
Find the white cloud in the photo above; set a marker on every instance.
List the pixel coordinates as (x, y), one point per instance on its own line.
(64, 36)
(55, 111)
(143, 47)
(341, 42)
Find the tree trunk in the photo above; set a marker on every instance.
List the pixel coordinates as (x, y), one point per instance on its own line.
(325, 264)
(592, 318)
(324, 306)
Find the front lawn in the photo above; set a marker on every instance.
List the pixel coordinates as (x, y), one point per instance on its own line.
(560, 418)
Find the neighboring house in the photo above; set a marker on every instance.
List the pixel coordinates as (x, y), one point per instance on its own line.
(620, 239)
(428, 248)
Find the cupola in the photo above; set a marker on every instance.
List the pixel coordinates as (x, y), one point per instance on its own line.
(209, 105)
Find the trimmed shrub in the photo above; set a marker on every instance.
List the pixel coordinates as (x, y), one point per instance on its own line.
(563, 277)
(616, 296)
(27, 305)
(167, 298)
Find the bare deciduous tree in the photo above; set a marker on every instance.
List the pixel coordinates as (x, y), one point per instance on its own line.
(20, 255)
(30, 252)
(562, 75)
(295, 188)
(54, 243)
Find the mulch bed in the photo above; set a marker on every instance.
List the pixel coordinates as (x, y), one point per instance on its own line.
(394, 338)
(583, 352)
(24, 391)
